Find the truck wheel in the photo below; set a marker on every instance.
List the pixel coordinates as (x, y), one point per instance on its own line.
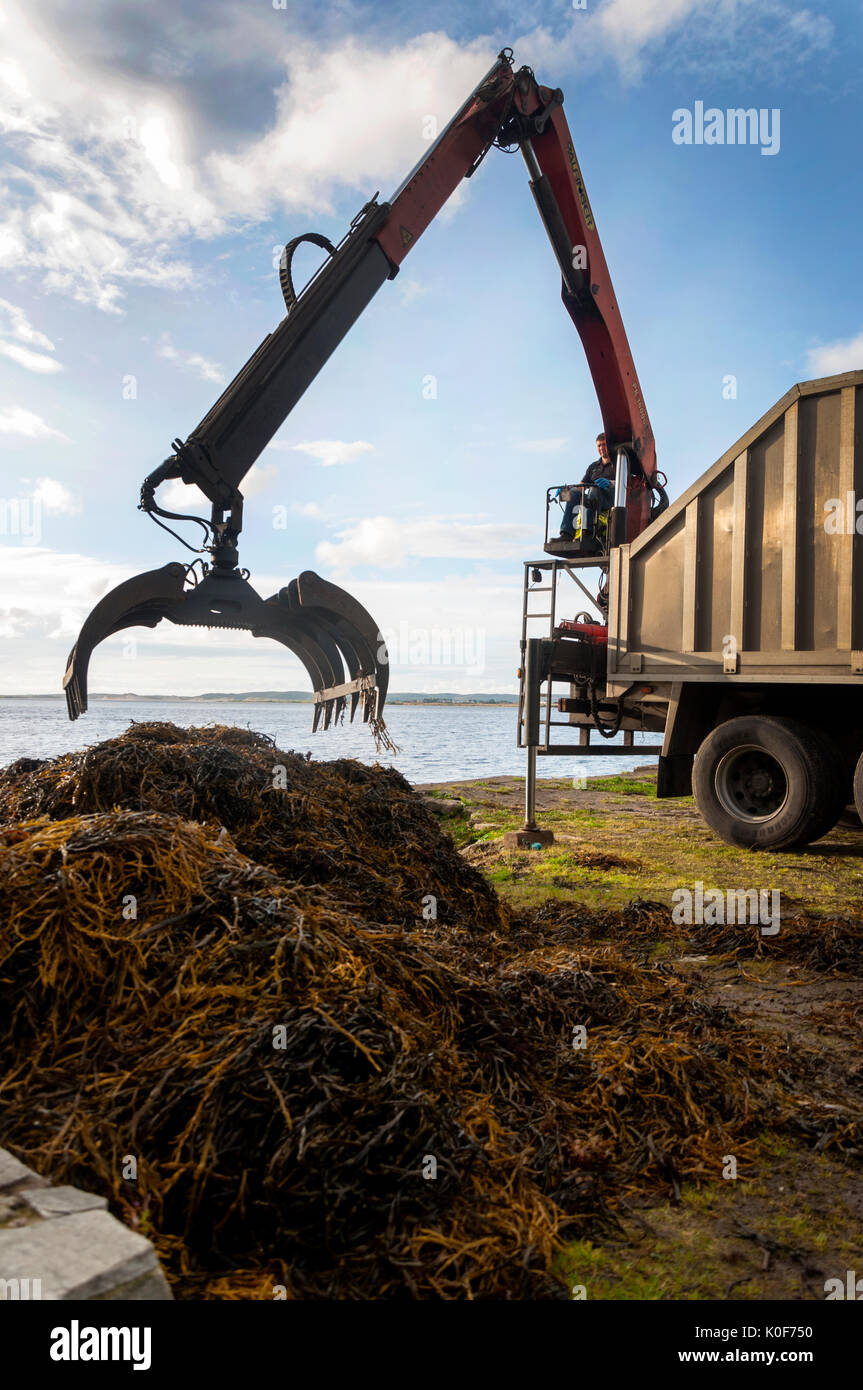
(767, 783)
(858, 786)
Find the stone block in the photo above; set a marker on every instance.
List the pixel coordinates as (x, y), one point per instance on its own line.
(63, 1201)
(84, 1255)
(13, 1173)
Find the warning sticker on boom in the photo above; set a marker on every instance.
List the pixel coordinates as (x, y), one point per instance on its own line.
(580, 188)
(406, 236)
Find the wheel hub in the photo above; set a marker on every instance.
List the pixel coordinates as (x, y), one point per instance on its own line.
(751, 783)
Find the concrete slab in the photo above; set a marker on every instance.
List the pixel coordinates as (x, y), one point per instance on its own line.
(63, 1201)
(83, 1255)
(13, 1173)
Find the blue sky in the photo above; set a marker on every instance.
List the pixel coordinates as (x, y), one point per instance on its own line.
(157, 158)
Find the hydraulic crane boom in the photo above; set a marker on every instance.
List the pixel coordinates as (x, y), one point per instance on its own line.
(506, 108)
(324, 626)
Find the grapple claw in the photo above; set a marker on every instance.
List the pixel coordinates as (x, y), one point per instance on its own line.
(322, 625)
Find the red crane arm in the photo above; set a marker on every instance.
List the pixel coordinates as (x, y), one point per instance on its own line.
(509, 109)
(591, 301)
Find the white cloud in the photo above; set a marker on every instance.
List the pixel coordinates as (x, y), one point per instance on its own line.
(19, 327)
(26, 425)
(32, 361)
(630, 24)
(259, 478)
(384, 542)
(55, 497)
(349, 115)
(206, 369)
(831, 358)
(158, 141)
(110, 171)
(329, 452)
(177, 496)
(85, 203)
(728, 38)
(306, 509)
(114, 164)
(54, 592)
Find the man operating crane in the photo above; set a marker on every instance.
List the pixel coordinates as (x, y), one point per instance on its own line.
(596, 489)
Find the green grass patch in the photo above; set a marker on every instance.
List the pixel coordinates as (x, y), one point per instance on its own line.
(626, 785)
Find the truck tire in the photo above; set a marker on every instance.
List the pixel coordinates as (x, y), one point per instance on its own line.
(766, 783)
(858, 786)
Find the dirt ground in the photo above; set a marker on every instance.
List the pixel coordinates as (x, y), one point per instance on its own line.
(794, 1218)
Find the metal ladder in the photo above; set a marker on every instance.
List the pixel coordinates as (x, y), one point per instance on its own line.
(554, 567)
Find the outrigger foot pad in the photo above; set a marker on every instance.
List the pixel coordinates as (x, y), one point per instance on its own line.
(335, 638)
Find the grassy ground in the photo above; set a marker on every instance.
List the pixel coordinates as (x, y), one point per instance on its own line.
(615, 841)
(794, 1217)
(777, 1236)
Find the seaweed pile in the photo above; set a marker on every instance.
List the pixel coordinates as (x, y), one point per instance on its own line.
(339, 1066)
(360, 830)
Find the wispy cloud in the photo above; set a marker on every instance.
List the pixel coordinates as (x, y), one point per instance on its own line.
(33, 361)
(384, 542)
(329, 452)
(15, 420)
(15, 325)
(722, 38)
(846, 356)
(113, 165)
(206, 369)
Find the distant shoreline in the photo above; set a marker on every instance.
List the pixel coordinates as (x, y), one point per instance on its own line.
(267, 700)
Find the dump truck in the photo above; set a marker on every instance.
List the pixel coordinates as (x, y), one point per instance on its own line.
(735, 630)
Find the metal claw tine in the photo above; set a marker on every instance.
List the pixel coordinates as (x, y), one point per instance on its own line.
(140, 602)
(334, 645)
(349, 623)
(317, 652)
(316, 621)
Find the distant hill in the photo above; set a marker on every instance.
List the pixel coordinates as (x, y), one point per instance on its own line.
(397, 697)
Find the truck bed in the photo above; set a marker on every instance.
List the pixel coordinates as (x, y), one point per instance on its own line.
(740, 580)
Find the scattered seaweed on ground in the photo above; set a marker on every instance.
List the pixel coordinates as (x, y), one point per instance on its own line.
(829, 943)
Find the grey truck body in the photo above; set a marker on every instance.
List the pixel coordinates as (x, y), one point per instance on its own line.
(746, 595)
